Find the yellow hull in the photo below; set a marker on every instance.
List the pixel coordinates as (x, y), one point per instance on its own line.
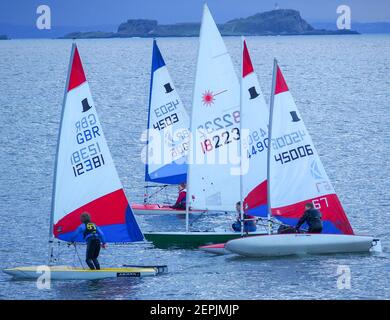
(72, 273)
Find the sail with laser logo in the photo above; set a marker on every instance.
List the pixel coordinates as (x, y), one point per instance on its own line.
(214, 174)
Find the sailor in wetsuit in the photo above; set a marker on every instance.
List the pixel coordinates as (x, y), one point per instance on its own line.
(312, 217)
(180, 203)
(94, 238)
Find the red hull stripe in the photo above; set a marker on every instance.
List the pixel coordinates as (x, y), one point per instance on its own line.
(247, 66)
(216, 246)
(281, 85)
(332, 212)
(107, 210)
(77, 75)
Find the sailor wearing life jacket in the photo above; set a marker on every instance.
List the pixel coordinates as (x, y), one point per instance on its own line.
(312, 217)
(94, 238)
(180, 203)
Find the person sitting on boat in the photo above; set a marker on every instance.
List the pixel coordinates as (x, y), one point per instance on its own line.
(94, 237)
(249, 221)
(312, 217)
(181, 199)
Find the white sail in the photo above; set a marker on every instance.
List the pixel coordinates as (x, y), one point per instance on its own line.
(86, 178)
(254, 135)
(213, 182)
(296, 173)
(168, 127)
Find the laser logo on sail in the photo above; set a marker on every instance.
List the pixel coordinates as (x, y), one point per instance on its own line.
(208, 98)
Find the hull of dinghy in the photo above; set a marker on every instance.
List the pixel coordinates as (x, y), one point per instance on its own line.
(71, 273)
(194, 239)
(295, 244)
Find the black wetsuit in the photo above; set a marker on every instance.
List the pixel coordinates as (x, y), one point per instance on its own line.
(92, 238)
(313, 219)
(93, 250)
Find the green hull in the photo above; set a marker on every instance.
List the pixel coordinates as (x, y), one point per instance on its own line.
(189, 240)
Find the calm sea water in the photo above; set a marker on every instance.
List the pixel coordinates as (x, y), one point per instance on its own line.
(341, 86)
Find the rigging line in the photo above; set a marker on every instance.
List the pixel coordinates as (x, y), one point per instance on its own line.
(153, 186)
(60, 251)
(156, 192)
(277, 222)
(197, 218)
(78, 256)
(54, 253)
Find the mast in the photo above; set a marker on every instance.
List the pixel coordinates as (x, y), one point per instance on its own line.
(240, 144)
(269, 214)
(51, 237)
(150, 102)
(147, 129)
(191, 145)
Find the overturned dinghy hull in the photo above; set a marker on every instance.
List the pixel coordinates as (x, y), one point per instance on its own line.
(296, 244)
(71, 273)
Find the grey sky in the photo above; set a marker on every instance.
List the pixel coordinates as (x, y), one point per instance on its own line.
(112, 12)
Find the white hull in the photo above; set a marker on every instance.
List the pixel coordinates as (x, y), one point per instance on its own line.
(71, 273)
(295, 244)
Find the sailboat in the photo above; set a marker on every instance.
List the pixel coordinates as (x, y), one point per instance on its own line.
(296, 176)
(167, 138)
(213, 179)
(254, 115)
(86, 180)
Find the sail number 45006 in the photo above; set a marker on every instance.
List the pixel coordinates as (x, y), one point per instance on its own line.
(294, 154)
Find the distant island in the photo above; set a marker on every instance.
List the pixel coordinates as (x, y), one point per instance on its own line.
(275, 22)
(3, 37)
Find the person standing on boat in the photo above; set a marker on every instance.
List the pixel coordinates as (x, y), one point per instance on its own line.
(312, 217)
(94, 237)
(249, 221)
(180, 203)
